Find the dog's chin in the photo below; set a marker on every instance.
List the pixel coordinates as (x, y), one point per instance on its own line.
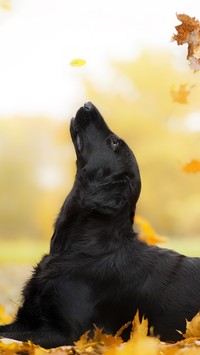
(74, 132)
(73, 128)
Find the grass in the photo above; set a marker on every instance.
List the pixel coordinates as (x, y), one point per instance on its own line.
(17, 259)
(189, 246)
(30, 252)
(22, 251)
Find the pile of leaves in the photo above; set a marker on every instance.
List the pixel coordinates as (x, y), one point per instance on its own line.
(138, 344)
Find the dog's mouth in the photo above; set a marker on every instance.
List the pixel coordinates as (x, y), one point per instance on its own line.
(87, 116)
(80, 122)
(75, 134)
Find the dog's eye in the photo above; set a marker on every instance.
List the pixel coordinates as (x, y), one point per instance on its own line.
(114, 143)
(78, 142)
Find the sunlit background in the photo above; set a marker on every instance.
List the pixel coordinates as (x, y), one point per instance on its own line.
(131, 68)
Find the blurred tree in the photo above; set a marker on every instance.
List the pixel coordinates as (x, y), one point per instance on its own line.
(33, 178)
(37, 158)
(139, 107)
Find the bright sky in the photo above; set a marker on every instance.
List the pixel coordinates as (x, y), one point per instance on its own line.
(39, 38)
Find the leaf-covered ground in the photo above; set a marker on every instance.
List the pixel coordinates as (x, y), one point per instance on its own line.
(139, 343)
(11, 281)
(12, 278)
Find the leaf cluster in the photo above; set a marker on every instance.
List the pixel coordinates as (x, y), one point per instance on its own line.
(140, 343)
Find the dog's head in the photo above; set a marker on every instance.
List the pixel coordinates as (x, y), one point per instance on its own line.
(108, 177)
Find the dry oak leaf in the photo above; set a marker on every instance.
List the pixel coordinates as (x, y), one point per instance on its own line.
(189, 32)
(192, 167)
(77, 62)
(180, 95)
(147, 234)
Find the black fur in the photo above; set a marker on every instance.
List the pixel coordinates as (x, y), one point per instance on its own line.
(97, 272)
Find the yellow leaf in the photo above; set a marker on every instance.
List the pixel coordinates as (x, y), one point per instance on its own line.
(77, 62)
(147, 234)
(180, 95)
(140, 330)
(139, 343)
(99, 339)
(189, 32)
(120, 331)
(16, 347)
(193, 327)
(83, 342)
(192, 167)
(146, 346)
(5, 4)
(4, 318)
(106, 339)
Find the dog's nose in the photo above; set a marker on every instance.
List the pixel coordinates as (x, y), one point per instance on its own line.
(88, 105)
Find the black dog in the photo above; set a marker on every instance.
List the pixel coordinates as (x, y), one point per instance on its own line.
(97, 272)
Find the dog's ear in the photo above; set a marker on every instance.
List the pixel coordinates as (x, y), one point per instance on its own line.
(106, 199)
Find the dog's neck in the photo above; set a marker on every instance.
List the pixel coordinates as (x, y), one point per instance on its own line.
(75, 226)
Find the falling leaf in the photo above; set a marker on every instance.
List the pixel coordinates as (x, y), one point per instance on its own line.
(77, 62)
(5, 4)
(180, 95)
(147, 234)
(189, 32)
(192, 167)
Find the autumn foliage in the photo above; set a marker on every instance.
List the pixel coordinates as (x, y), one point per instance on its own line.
(192, 167)
(180, 94)
(147, 233)
(140, 343)
(77, 62)
(189, 32)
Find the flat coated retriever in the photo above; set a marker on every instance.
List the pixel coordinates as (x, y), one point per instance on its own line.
(97, 271)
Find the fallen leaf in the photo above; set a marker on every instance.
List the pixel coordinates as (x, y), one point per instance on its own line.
(180, 95)
(139, 343)
(140, 329)
(106, 339)
(104, 344)
(98, 342)
(192, 167)
(120, 331)
(193, 327)
(77, 62)
(147, 234)
(189, 32)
